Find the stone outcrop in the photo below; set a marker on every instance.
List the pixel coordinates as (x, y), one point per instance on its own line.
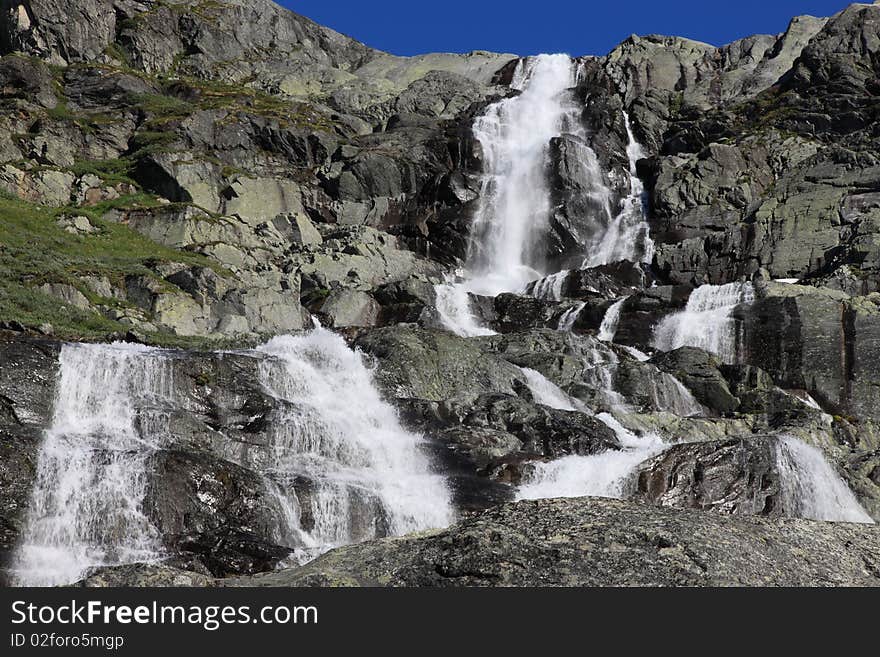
(595, 542)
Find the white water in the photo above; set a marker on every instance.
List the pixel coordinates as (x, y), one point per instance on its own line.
(810, 486)
(548, 393)
(92, 467)
(505, 249)
(627, 236)
(514, 208)
(331, 434)
(368, 476)
(549, 288)
(608, 328)
(454, 310)
(707, 321)
(609, 474)
(570, 317)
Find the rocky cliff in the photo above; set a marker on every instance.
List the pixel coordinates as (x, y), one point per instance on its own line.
(202, 175)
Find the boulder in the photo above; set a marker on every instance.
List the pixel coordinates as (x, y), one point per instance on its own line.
(700, 372)
(601, 542)
(435, 365)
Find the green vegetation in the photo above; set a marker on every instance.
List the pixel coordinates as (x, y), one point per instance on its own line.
(162, 107)
(34, 250)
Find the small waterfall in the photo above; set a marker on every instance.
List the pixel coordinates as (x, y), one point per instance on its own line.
(548, 288)
(627, 236)
(608, 328)
(707, 321)
(669, 394)
(600, 366)
(599, 475)
(335, 438)
(570, 316)
(609, 474)
(810, 486)
(92, 468)
(454, 310)
(548, 393)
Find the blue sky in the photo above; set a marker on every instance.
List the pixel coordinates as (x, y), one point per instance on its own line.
(578, 27)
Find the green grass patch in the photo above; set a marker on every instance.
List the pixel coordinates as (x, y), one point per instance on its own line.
(34, 250)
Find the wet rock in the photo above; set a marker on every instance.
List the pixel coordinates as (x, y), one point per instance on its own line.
(701, 373)
(27, 380)
(734, 477)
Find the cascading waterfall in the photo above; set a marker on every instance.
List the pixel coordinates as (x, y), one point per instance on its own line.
(608, 328)
(599, 475)
(549, 288)
(707, 321)
(454, 310)
(340, 465)
(548, 393)
(568, 319)
(364, 474)
(92, 468)
(513, 213)
(505, 250)
(810, 486)
(514, 208)
(609, 474)
(627, 235)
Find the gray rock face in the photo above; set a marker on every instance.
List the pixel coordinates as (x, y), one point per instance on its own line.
(818, 340)
(701, 373)
(705, 75)
(596, 542)
(436, 366)
(249, 168)
(27, 380)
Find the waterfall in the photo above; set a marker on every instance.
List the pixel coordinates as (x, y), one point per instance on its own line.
(92, 468)
(810, 488)
(365, 476)
(608, 328)
(513, 214)
(570, 316)
(548, 288)
(627, 236)
(340, 465)
(548, 393)
(599, 475)
(506, 247)
(608, 474)
(454, 309)
(707, 321)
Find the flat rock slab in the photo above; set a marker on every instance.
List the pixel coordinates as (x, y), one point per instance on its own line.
(601, 542)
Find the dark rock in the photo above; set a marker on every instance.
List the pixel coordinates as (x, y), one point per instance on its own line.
(227, 552)
(27, 382)
(26, 79)
(734, 477)
(701, 373)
